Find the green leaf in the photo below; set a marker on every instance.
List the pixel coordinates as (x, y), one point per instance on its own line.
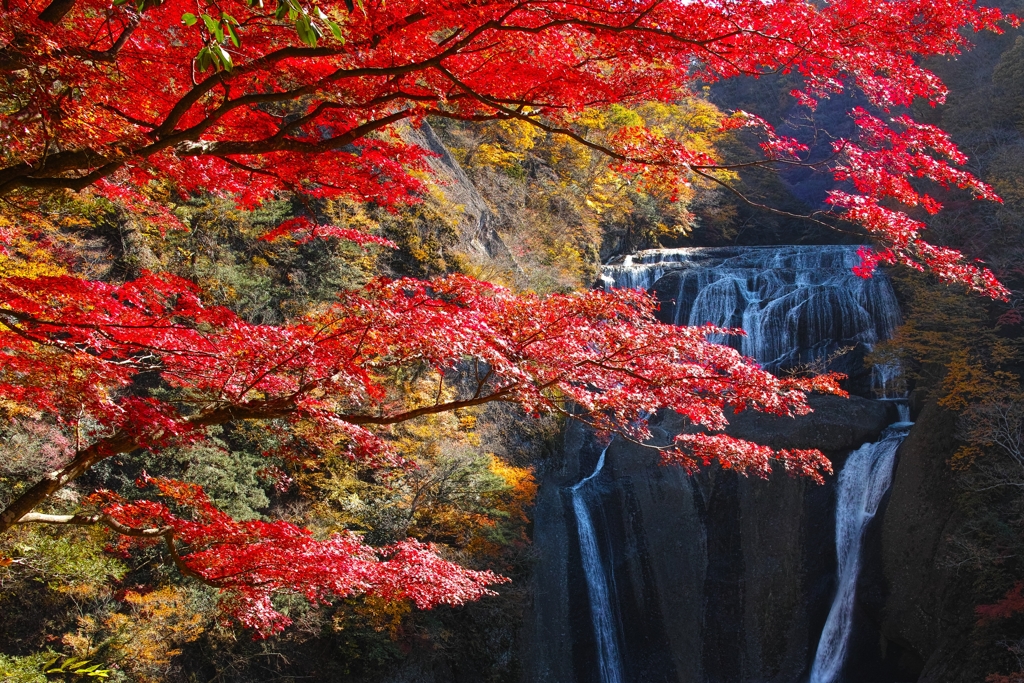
(306, 31)
(288, 8)
(223, 57)
(189, 19)
(233, 34)
(336, 30)
(204, 59)
(211, 23)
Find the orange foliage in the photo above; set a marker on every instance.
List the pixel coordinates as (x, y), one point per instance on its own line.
(144, 640)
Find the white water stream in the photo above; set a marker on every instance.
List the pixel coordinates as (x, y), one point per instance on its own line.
(862, 483)
(796, 303)
(601, 611)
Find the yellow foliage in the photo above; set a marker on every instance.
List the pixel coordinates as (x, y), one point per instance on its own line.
(144, 640)
(943, 328)
(383, 616)
(521, 485)
(494, 155)
(26, 259)
(519, 135)
(965, 457)
(968, 381)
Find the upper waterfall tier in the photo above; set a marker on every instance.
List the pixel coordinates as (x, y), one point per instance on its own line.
(796, 303)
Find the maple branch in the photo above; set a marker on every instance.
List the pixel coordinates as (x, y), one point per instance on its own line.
(103, 519)
(46, 173)
(110, 54)
(498, 395)
(283, 144)
(124, 442)
(771, 209)
(56, 11)
(53, 481)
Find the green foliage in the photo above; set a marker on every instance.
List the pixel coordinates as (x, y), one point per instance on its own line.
(263, 281)
(228, 464)
(24, 669)
(73, 666)
(62, 560)
(229, 477)
(426, 233)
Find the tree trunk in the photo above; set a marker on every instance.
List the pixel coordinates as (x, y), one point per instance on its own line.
(52, 482)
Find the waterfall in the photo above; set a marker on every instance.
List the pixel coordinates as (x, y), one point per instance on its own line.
(863, 481)
(602, 615)
(887, 380)
(797, 304)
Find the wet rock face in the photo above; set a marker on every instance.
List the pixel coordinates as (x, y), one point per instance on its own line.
(716, 577)
(837, 425)
(927, 610)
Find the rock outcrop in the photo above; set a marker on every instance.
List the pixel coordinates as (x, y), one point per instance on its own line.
(477, 236)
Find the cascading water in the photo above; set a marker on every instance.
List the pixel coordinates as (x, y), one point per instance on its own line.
(602, 614)
(796, 303)
(863, 481)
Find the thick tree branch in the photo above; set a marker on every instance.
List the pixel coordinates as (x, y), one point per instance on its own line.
(284, 144)
(103, 519)
(498, 395)
(125, 442)
(56, 11)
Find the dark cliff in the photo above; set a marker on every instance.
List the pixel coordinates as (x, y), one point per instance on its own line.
(717, 577)
(928, 597)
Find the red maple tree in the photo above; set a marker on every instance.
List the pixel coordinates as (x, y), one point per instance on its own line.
(252, 98)
(72, 349)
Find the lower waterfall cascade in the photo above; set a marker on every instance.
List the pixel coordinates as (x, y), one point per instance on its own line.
(601, 610)
(862, 483)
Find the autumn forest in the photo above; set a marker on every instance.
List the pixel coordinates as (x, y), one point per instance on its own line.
(511, 341)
